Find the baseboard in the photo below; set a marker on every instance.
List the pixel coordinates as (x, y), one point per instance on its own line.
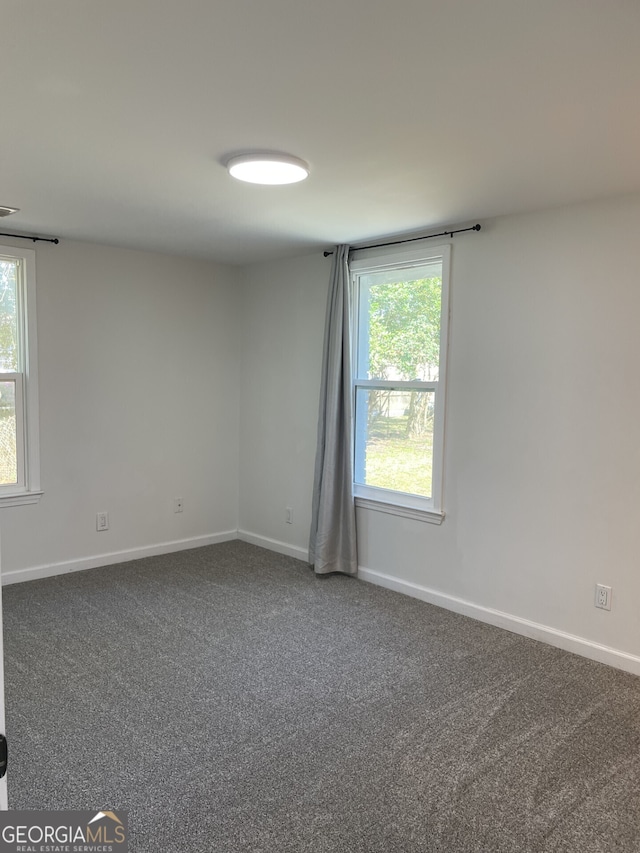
(51, 569)
(515, 624)
(274, 545)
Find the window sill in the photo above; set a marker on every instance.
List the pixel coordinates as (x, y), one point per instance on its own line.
(431, 516)
(20, 498)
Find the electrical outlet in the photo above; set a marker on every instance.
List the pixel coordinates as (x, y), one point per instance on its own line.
(288, 515)
(178, 505)
(603, 596)
(102, 521)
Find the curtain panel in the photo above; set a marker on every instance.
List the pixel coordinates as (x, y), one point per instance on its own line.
(332, 544)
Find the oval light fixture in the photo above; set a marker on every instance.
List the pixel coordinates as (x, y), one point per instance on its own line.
(268, 168)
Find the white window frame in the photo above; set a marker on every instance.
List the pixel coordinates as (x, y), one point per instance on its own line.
(27, 490)
(364, 262)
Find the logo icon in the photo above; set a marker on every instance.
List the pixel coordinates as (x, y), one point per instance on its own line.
(100, 815)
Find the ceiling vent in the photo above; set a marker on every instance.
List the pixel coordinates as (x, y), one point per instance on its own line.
(7, 211)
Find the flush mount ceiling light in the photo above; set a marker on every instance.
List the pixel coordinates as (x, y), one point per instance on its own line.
(7, 211)
(268, 168)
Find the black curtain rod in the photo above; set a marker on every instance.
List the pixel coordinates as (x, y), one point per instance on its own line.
(413, 239)
(34, 239)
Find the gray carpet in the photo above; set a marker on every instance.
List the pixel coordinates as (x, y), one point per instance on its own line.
(232, 702)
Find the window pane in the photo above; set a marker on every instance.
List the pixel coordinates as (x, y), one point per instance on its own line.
(399, 323)
(8, 456)
(8, 316)
(394, 439)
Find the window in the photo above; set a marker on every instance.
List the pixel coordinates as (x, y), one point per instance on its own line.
(399, 367)
(19, 451)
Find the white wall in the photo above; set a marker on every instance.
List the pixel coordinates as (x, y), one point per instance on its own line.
(542, 477)
(283, 308)
(138, 361)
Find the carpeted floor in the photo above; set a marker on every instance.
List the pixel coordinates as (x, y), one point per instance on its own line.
(233, 702)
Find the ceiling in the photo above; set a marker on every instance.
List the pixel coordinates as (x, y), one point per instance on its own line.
(117, 116)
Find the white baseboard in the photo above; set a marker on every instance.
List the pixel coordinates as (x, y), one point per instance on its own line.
(46, 571)
(274, 545)
(515, 624)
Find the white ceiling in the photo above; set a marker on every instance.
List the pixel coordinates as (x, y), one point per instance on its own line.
(413, 114)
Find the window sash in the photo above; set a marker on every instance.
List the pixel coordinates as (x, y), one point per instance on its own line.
(367, 450)
(399, 384)
(18, 382)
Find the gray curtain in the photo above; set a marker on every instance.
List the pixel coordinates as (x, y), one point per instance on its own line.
(332, 545)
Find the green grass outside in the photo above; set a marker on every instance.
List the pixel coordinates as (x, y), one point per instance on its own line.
(395, 461)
